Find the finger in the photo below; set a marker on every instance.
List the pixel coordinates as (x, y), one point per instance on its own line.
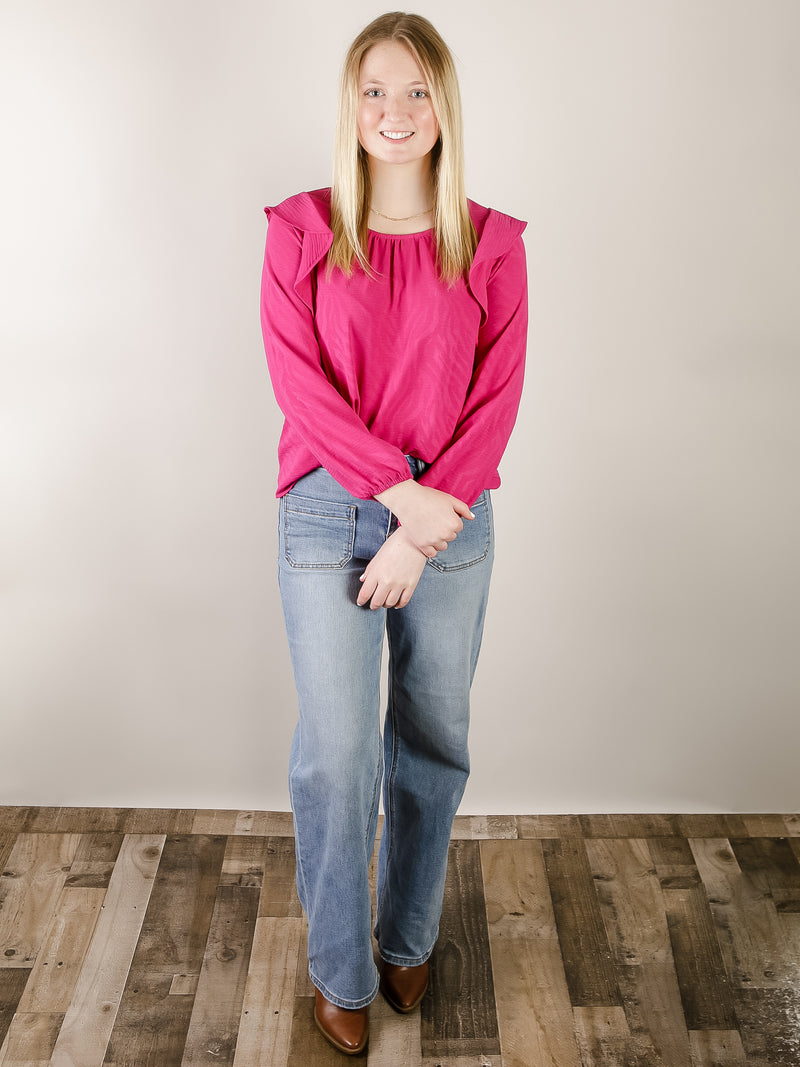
(367, 589)
(407, 593)
(392, 598)
(462, 509)
(378, 599)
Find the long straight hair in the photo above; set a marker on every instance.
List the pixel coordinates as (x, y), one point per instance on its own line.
(455, 234)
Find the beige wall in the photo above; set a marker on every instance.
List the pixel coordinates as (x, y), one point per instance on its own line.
(641, 646)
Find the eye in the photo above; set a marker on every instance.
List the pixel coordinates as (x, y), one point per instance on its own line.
(372, 93)
(420, 94)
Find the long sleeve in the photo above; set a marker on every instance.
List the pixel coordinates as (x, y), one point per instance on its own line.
(319, 416)
(469, 463)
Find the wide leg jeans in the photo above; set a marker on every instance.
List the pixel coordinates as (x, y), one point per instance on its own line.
(338, 760)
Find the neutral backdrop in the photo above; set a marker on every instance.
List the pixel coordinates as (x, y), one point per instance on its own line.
(641, 651)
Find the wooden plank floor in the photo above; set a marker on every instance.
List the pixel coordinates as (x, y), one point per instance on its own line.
(166, 938)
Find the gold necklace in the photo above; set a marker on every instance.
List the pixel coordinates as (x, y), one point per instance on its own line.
(408, 218)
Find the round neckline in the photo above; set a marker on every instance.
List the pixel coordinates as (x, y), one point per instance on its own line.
(416, 233)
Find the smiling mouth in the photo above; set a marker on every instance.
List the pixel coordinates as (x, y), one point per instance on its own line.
(390, 135)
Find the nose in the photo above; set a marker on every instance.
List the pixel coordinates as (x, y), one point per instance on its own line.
(393, 108)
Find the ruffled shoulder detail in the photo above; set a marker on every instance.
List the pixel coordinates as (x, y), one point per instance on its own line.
(305, 211)
(310, 214)
(497, 234)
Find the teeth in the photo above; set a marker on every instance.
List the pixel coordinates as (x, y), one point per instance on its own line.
(395, 136)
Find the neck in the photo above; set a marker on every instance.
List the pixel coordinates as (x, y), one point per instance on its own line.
(401, 190)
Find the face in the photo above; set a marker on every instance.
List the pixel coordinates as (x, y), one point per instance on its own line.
(396, 121)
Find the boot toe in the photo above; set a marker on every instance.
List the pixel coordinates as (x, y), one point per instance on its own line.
(347, 1029)
(404, 987)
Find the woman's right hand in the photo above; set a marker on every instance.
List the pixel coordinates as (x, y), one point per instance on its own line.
(430, 517)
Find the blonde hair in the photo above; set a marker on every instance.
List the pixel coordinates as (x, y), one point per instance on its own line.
(455, 234)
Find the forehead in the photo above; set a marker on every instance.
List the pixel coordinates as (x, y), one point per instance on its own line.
(390, 61)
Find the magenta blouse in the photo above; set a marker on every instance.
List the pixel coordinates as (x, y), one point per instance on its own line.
(368, 370)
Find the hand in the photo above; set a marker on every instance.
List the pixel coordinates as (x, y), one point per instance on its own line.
(430, 517)
(391, 576)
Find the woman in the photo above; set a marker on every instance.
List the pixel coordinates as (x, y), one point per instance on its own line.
(394, 314)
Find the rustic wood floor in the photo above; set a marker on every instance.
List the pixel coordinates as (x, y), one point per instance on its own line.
(175, 938)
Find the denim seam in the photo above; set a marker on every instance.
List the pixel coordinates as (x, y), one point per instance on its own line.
(373, 804)
(457, 566)
(298, 850)
(390, 776)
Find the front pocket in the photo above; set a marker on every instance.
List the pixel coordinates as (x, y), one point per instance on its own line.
(473, 543)
(317, 533)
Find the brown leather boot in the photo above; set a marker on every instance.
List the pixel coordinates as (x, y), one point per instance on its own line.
(404, 987)
(347, 1029)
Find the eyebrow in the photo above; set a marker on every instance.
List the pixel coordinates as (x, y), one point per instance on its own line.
(377, 81)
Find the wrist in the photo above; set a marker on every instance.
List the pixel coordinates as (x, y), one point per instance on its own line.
(396, 495)
(401, 535)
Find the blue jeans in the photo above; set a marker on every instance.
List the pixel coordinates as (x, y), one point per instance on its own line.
(337, 760)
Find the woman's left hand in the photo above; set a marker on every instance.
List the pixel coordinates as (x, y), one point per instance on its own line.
(391, 576)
